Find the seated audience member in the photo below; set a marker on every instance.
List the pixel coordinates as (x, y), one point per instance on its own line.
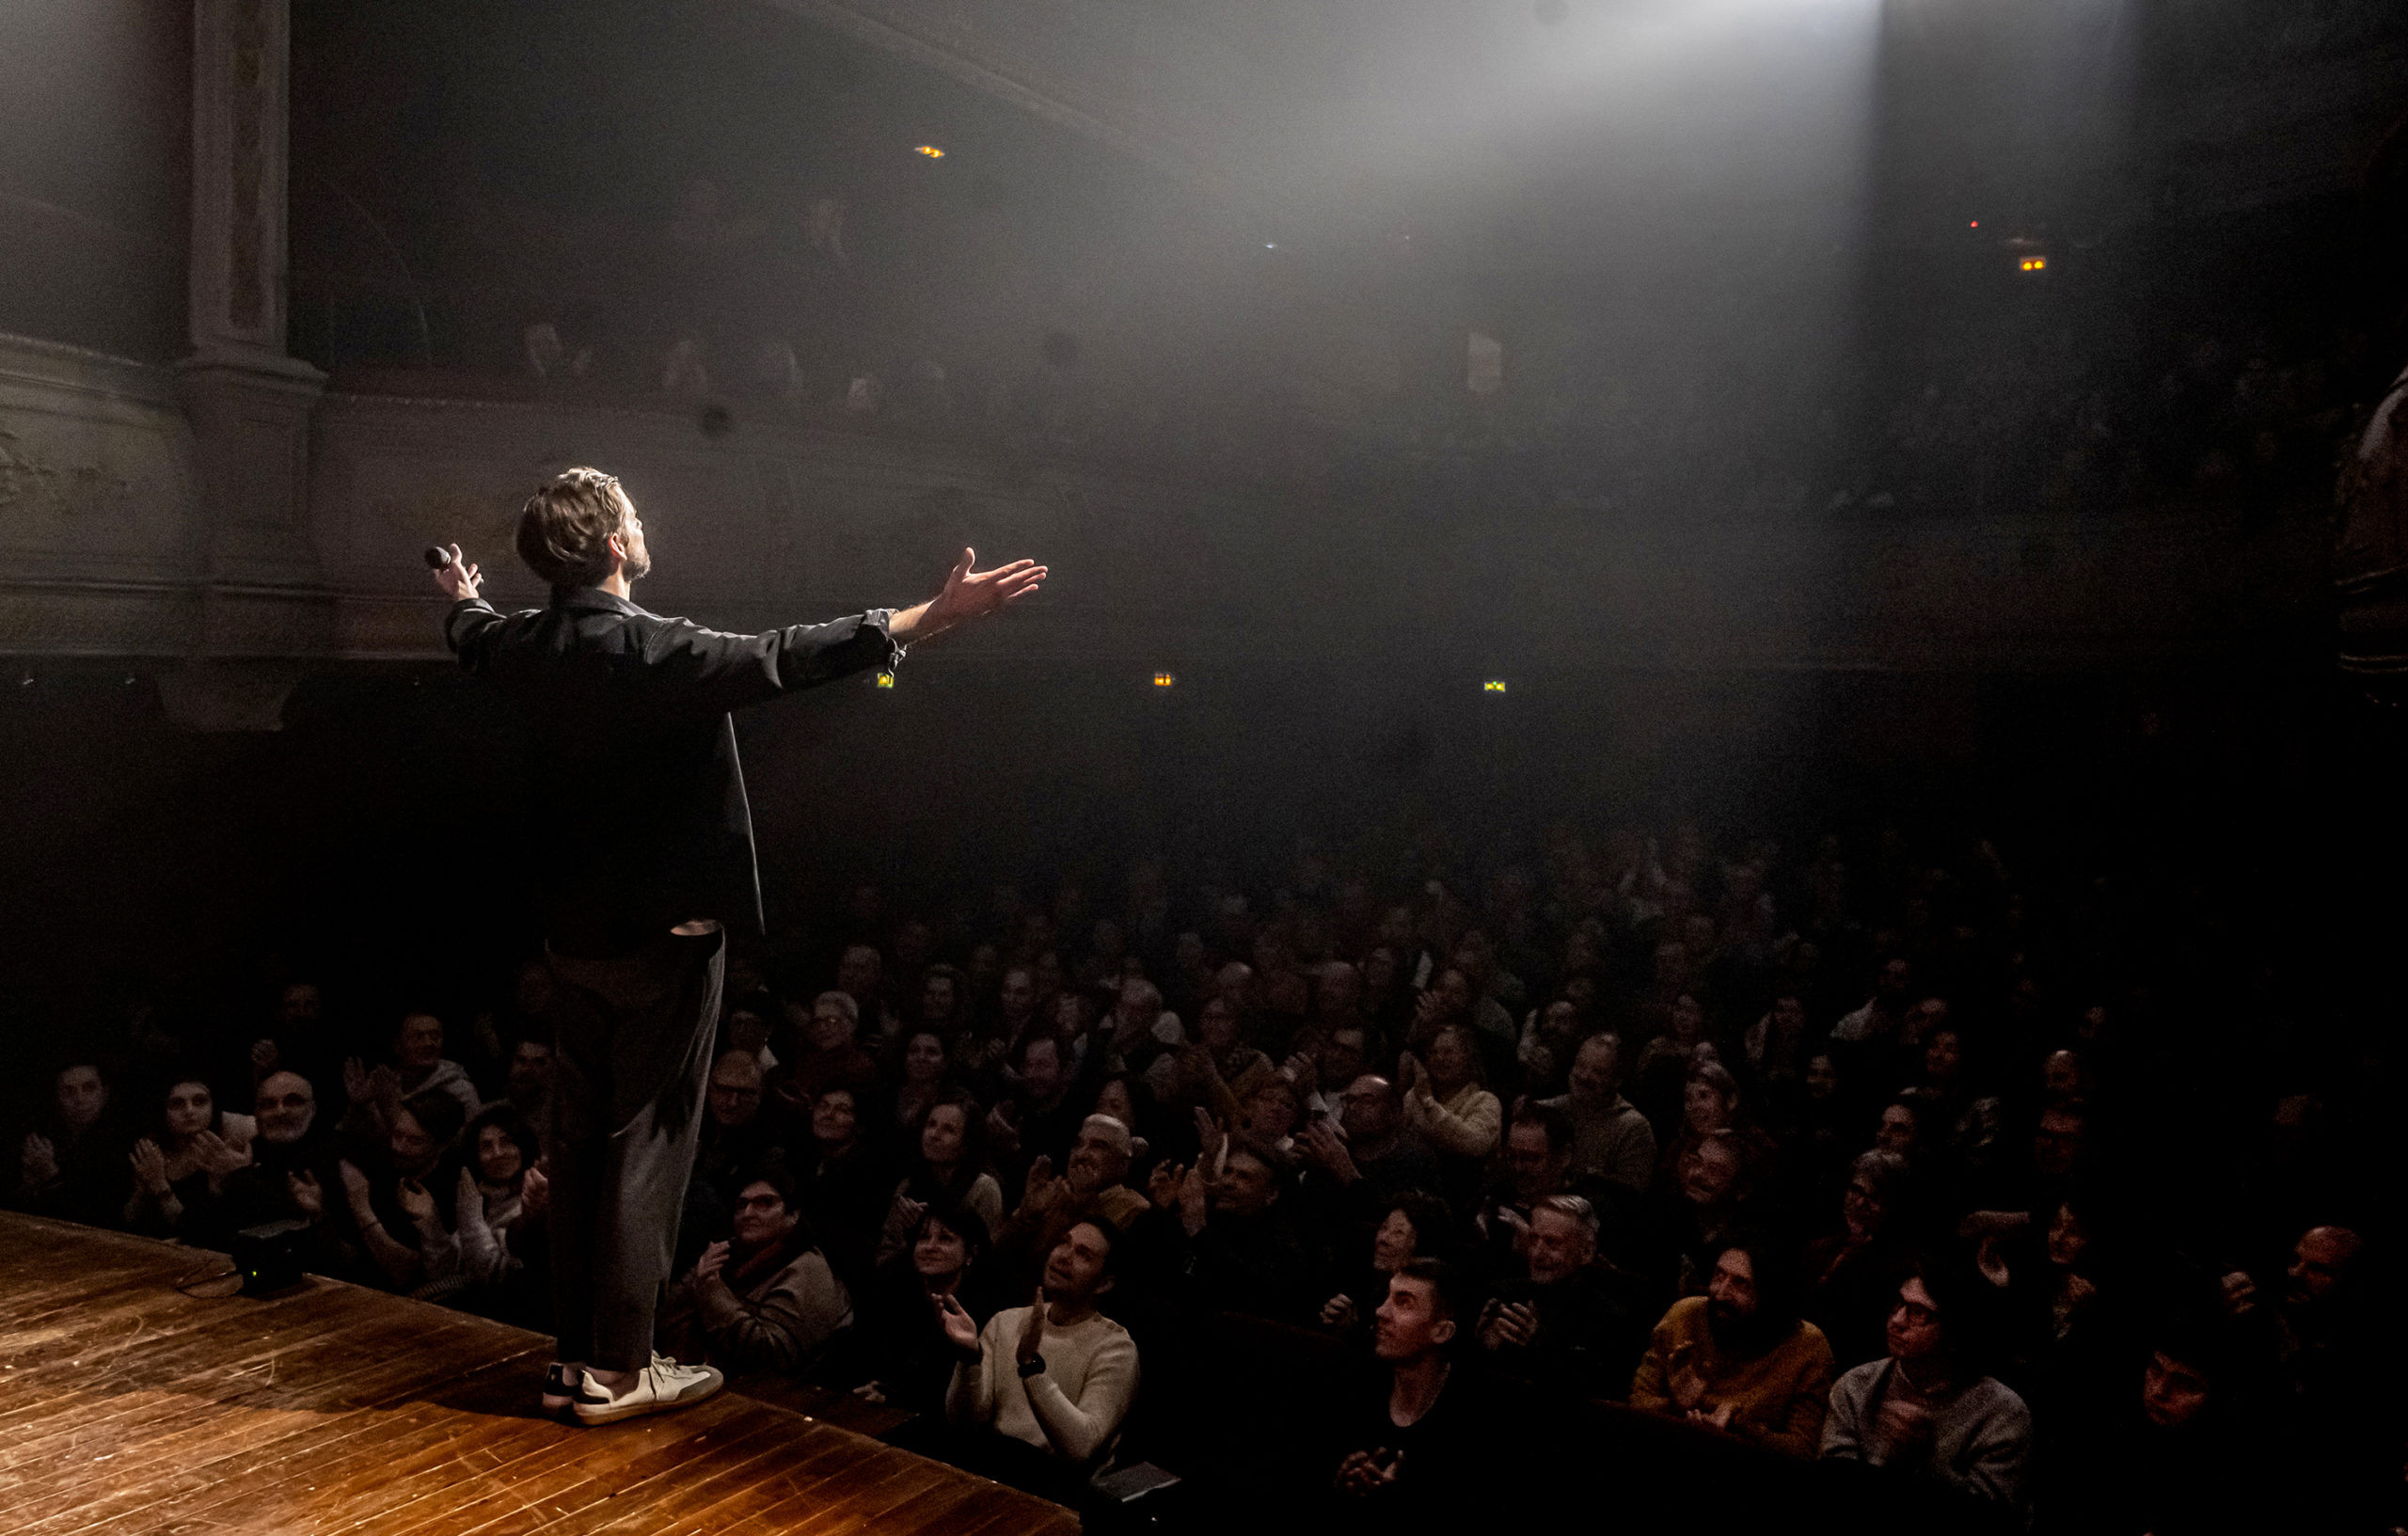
(1273, 1113)
(1092, 1187)
(1418, 1449)
(860, 974)
(844, 1192)
(1740, 1358)
(292, 1166)
(944, 1002)
(1039, 1117)
(2177, 1452)
(298, 1038)
(418, 1067)
(1417, 1225)
(1562, 1327)
(72, 1166)
(1535, 1164)
(1339, 1056)
(1218, 1071)
(1446, 1106)
(498, 1150)
(396, 1217)
(1775, 1047)
(948, 1173)
(766, 1299)
(1967, 1126)
(1610, 1139)
(2337, 1367)
(830, 1059)
(748, 1023)
(899, 1332)
(528, 1084)
(1229, 1239)
(735, 1132)
(180, 1171)
(1925, 1412)
(923, 1069)
(1712, 1198)
(1852, 1274)
(1357, 1170)
(1043, 1389)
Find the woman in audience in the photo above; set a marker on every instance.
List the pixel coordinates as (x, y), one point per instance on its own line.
(920, 1082)
(948, 1173)
(1274, 1114)
(495, 1152)
(180, 1170)
(1416, 1225)
(901, 1344)
(71, 1166)
(1852, 1274)
(395, 1214)
(844, 1192)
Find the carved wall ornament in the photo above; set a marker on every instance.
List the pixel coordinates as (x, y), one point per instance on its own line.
(30, 485)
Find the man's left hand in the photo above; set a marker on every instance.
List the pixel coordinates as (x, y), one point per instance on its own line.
(1032, 1338)
(968, 595)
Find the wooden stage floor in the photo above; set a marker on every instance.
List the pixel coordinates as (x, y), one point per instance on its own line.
(126, 1408)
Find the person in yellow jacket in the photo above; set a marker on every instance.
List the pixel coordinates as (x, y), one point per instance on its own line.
(1740, 1358)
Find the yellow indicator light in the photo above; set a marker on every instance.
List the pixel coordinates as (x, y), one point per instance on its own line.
(928, 149)
(1494, 684)
(1163, 680)
(2036, 263)
(886, 679)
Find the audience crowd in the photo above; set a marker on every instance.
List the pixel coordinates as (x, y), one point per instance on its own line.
(2025, 1201)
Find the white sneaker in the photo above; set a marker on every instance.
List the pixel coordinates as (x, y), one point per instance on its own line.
(657, 1388)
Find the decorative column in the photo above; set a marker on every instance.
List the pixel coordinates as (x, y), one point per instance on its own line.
(264, 593)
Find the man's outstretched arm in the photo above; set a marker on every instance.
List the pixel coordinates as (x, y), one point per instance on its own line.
(967, 594)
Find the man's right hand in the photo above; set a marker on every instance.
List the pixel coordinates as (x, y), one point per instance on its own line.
(459, 579)
(41, 1161)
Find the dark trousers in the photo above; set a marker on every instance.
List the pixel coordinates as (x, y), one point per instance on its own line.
(631, 1061)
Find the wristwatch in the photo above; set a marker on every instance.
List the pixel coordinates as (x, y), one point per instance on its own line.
(1031, 1367)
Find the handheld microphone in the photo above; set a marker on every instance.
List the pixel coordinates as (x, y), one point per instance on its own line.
(438, 557)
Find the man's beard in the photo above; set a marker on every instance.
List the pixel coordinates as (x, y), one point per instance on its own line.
(639, 567)
(1734, 1330)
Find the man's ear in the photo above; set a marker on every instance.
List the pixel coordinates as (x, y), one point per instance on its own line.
(1443, 1331)
(1106, 1283)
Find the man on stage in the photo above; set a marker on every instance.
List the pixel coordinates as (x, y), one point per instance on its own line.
(649, 851)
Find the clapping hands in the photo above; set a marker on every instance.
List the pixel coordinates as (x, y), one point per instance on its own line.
(961, 1328)
(41, 1161)
(1367, 1472)
(418, 1201)
(150, 1168)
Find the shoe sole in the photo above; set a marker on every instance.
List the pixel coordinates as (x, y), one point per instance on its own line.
(595, 1417)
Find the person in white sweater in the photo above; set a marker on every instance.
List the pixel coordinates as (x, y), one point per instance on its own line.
(1057, 1377)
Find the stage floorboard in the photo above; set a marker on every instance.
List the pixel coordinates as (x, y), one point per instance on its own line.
(128, 1407)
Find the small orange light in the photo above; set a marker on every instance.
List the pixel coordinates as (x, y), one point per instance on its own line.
(928, 149)
(1494, 684)
(886, 679)
(1163, 680)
